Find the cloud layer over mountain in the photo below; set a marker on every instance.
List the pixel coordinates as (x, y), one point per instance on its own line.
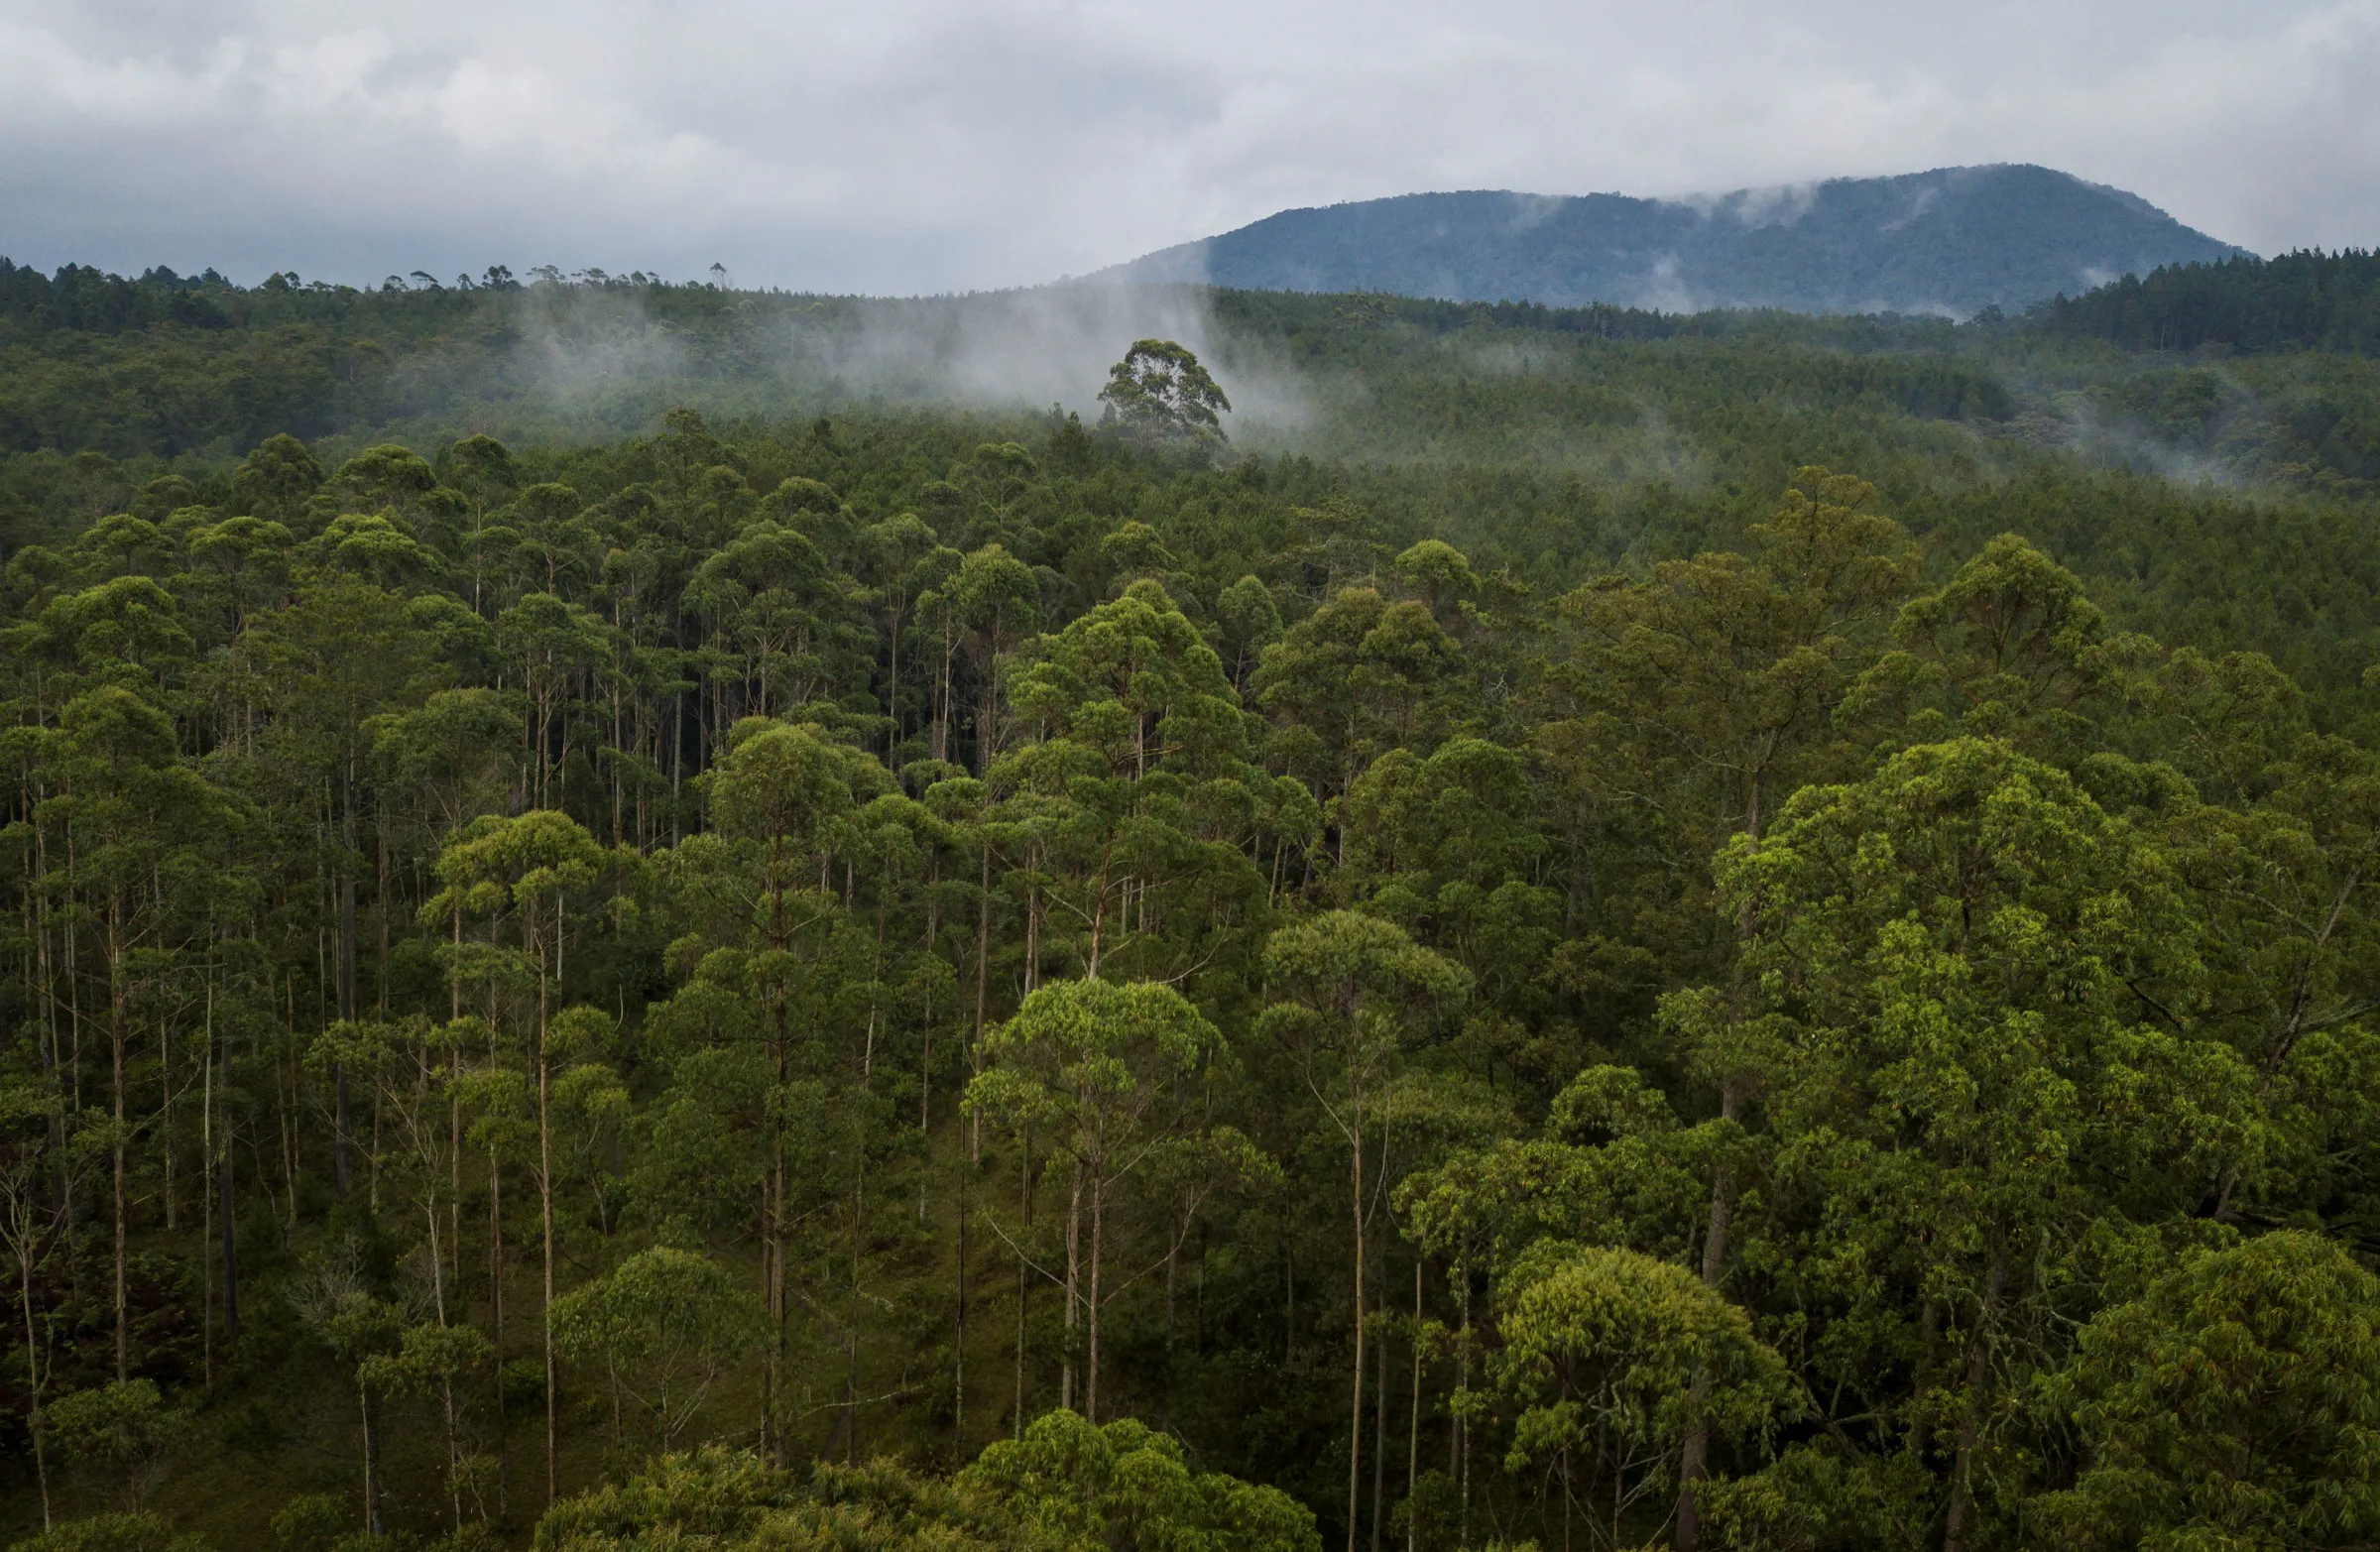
(912, 145)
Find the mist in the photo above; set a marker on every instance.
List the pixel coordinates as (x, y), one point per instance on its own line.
(592, 357)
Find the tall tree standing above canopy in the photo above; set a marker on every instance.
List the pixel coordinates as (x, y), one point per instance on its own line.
(1158, 393)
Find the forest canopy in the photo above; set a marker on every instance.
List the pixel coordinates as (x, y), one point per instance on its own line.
(1713, 932)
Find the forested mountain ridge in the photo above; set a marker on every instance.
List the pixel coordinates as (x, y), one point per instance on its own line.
(1954, 240)
(1522, 957)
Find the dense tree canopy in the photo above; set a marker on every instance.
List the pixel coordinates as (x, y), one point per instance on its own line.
(916, 977)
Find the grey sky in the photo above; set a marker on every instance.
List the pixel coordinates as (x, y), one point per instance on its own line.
(924, 145)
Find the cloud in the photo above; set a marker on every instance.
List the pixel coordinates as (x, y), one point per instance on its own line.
(932, 145)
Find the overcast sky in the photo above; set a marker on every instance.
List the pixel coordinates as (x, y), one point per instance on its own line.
(897, 146)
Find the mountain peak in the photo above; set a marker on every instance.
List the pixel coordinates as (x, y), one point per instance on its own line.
(1952, 240)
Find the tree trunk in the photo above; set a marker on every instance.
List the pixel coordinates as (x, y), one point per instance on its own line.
(1025, 1198)
(1074, 1285)
(115, 1032)
(1971, 1421)
(231, 1244)
(1355, 1427)
(553, 1484)
(1694, 1459)
(1379, 1435)
(958, 1404)
(33, 1366)
(983, 988)
(1098, 1203)
(1413, 1434)
(346, 972)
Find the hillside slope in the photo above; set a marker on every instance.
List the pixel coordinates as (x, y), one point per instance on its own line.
(1955, 240)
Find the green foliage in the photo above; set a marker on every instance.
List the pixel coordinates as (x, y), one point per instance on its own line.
(122, 1429)
(2297, 302)
(663, 1325)
(1126, 1487)
(1614, 1356)
(2230, 1404)
(1543, 941)
(1159, 394)
(112, 1534)
(1065, 1485)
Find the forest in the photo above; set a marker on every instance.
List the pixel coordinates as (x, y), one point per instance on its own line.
(644, 916)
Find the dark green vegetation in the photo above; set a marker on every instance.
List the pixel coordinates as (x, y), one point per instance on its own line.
(1503, 957)
(1955, 240)
(2299, 301)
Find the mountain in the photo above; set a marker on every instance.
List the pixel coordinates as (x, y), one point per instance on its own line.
(1955, 241)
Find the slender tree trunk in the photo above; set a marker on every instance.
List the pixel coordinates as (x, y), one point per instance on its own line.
(495, 1305)
(165, 1122)
(851, 1371)
(1459, 1442)
(1355, 1427)
(1694, 1458)
(115, 1032)
(33, 1365)
(773, 1229)
(1025, 1199)
(1099, 1204)
(983, 987)
(958, 1405)
(1970, 1418)
(1379, 1434)
(1074, 1285)
(346, 971)
(1414, 1432)
(206, 1212)
(372, 1518)
(231, 1239)
(553, 1479)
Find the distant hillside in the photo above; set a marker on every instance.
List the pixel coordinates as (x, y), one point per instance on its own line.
(1955, 240)
(2300, 301)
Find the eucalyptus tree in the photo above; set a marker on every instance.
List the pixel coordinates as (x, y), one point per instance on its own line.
(783, 799)
(1103, 1072)
(147, 837)
(994, 601)
(1160, 393)
(530, 872)
(1140, 760)
(1347, 989)
(1956, 965)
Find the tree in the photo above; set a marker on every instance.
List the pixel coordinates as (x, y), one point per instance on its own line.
(2010, 649)
(28, 1219)
(1615, 1356)
(122, 1426)
(1099, 1070)
(1348, 987)
(1958, 962)
(994, 601)
(528, 869)
(1158, 394)
(1141, 774)
(2232, 1403)
(1126, 1487)
(144, 830)
(335, 1300)
(783, 795)
(666, 1323)
(436, 1359)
